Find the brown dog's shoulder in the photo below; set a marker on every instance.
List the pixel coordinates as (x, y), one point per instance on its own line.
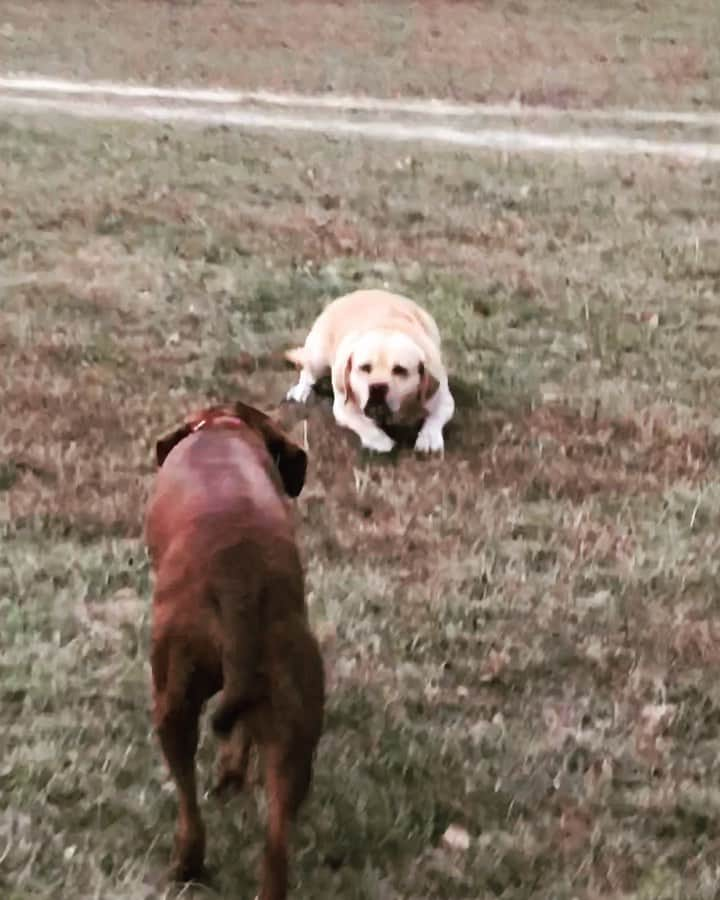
(289, 459)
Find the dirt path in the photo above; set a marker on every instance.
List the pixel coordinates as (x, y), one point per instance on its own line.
(345, 102)
(402, 120)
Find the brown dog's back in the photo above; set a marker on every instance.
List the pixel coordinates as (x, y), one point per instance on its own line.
(211, 475)
(225, 555)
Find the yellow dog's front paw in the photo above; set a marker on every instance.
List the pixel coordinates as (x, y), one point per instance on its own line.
(380, 443)
(430, 440)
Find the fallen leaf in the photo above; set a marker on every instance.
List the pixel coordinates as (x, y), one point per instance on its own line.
(456, 838)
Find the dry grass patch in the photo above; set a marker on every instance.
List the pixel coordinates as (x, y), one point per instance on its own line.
(540, 52)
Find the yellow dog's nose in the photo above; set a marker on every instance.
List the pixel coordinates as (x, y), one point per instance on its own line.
(378, 392)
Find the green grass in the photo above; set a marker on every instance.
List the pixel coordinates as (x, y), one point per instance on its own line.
(520, 639)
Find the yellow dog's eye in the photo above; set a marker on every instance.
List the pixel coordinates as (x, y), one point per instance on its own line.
(400, 371)
(366, 367)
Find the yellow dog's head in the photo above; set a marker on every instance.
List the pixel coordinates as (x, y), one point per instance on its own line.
(385, 374)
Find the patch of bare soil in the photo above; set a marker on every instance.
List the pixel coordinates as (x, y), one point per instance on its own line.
(556, 452)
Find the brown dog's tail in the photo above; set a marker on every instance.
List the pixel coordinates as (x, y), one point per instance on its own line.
(240, 625)
(230, 709)
(296, 356)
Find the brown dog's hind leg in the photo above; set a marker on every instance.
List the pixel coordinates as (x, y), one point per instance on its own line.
(178, 733)
(278, 789)
(176, 722)
(287, 779)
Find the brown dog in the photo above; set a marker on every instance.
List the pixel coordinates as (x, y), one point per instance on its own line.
(229, 614)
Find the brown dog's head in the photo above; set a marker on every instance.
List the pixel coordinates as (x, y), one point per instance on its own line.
(290, 460)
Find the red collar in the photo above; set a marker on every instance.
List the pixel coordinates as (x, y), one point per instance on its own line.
(222, 419)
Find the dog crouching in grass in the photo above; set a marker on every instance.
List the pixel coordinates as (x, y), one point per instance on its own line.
(383, 352)
(229, 616)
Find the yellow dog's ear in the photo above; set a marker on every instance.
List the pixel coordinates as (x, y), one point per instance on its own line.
(346, 380)
(428, 384)
(342, 367)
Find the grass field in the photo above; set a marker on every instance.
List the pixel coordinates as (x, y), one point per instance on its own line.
(579, 53)
(521, 639)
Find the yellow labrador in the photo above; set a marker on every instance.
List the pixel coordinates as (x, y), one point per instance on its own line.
(383, 352)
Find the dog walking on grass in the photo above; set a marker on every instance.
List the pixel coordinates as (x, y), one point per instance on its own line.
(229, 615)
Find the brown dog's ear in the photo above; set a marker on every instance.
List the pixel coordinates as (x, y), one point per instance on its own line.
(290, 460)
(428, 384)
(165, 445)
